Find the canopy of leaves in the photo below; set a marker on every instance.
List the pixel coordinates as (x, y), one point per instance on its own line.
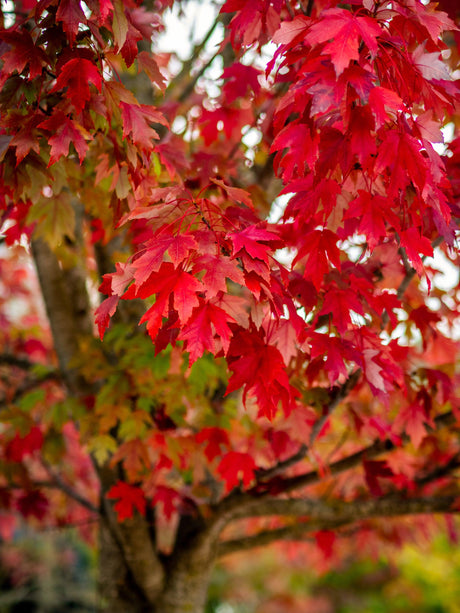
(242, 355)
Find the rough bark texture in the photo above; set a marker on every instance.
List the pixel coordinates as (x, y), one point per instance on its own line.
(116, 585)
(188, 574)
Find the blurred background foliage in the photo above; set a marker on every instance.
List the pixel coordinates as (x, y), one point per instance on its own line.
(56, 573)
(413, 579)
(52, 572)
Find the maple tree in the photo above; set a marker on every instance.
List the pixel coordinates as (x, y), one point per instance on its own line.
(271, 354)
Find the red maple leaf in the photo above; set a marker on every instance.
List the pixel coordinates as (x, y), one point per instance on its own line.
(136, 120)
(214, 439)
(239, 81)
(345, 31)
(235, 468)
(168, 282)
(206, 323)
(71, 15)
(293, 31)
(23, 51)
(415, 244)
(430, 65)
(168, 498)
(319, 249)
(76, 75)
(297, 149)
(375, 470)
(416, 422)
(21, 446)
(33, 504)
(332, 351)
(129, 49)
(401, 154)
(373, 211)
(25, 140)
(247, 23)
(148, 64)
(259, 369)
(151, 258)
(383, 100)
(253, 240)
(235, 193)
(339, 303)
(285, 338)
(104, 312)
(129, 498)
(65, 131)
(100, 8)
(217, 270)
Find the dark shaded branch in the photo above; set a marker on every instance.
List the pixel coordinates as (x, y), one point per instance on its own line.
(440, 471)
(309, 8)
(268, 473)
(327, 517)
(188, 89)
(392, 505)
(7, 359)
(70, 320)
(294, 532)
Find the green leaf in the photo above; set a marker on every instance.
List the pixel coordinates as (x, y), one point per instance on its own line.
(206, 375)
(102, 447)
(54, 447)
(29, 401)
(55, 218)
(62, 412)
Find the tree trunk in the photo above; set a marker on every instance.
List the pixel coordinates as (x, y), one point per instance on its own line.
(186, 588)
(133, 577)
(186, 579)
(117, 588)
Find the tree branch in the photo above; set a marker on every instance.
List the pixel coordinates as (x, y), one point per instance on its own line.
(440, 471)
(61, 485)
(190, 63)
(246, 504)
(30, 384)
(294, 532)
(65, 323)
(327, 517)
(132, 541)
(376, 449)
(7, 359)
(337, 394)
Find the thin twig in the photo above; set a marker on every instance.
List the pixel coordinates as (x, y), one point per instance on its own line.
(337, 394)
(188, 65)
(375, 449)
(60, 484)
